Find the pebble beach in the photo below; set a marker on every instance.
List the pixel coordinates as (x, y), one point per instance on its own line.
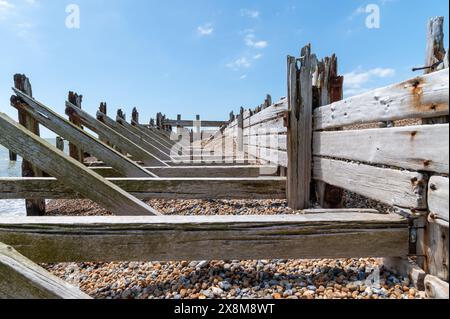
(232, 279)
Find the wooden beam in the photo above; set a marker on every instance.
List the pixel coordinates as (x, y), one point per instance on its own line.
(135, 139)
(239, 171)
(78, 137)
(421, 97)
(436, 288)
(299, 130)
(150, 188)
(68, 171)
(419, 148)
(393, 187)
(34, 207)
(114, 138)
(191, 123)
(75, 152)
(20, 278)
(435, 53)
(438, 199)
(164, 238)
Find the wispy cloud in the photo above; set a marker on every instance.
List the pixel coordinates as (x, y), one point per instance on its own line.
(356, 82)
(250, 13)
(243, 77)
(6, 8)
(257, 56)
(205, 30)
(240, 63)
(250, 41)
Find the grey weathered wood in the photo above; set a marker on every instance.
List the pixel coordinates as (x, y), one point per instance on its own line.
(299, 130)
(436, 288)
(437, 250)
(163, 238)
(421, 97)
(438, 198)
(72, 173)
(435, 53)
(241, 171)
(420, 148)
(115, 138)
(34, 207)
(135, 139)
(60, 143)
(74, 151)
(12, 157)
(144, 140)
(79, 137)
(272, 156)
(393, 187)
(150, 188)
(191, 123)
(20, 278)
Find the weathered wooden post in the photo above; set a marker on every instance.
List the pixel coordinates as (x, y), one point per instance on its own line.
(12, 156)
(327, 89)
(135, 117)
(436, 241)
(35, 207)
(240, 133)
(60, 143)
(299, 129)
(74, 151)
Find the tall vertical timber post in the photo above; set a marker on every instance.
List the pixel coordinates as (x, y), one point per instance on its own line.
(436, 242)
(74, 151)
(35, 207)
(327, 89)
(299, 129)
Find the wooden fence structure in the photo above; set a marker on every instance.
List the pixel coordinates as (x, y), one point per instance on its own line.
(307, 148)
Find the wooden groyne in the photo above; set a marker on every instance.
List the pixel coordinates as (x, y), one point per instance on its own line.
(308, 147)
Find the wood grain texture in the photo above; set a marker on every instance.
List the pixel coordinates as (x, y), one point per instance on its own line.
(241, 171)
(436, 288)
(20, 278)
(163, 238)
(300, 129)
(68, 171)
(114, 138)
(34, 207)
(438, 198)
(74, 151)
(419, 148)
(79, 137)
(393, 187)
(421, 97)
(143, 188)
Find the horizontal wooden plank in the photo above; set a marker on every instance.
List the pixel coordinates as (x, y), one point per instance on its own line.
(275, 126)
(272, 156)
(187, 123)
(72, 173)
(438, 198)
(200, 171)
(274, 141)
(273, 112)
(170, 238)
(436, 288)
(422, 97)
(420, 148)
(393, 187)
(20, 278)
(143, 188)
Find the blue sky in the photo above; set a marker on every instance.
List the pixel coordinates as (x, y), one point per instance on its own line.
(203, 57)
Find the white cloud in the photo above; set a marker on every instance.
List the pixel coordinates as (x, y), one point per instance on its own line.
(240, 63)
(5, 5)
(250, 13)
(355, 82)
(257, 56)
(250, 41)
(205, 30)
(243, 77)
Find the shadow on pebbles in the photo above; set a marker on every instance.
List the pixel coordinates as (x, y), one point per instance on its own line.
(232, 279)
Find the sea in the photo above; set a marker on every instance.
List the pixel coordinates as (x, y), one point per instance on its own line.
(14, 208)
